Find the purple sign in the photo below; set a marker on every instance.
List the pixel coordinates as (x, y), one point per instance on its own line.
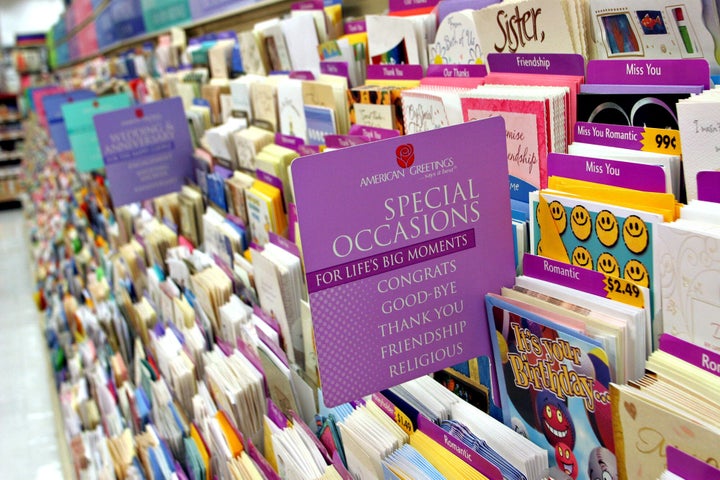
(396, 286)
(708, 185)
(335, 68)
(688, 71)
(546, 63)
(619, 136)
(686, 466)
(691, 353)
(400, 5)
(146, 149)
(373, 133)
(308, 5)
(394, 72)
(355, 26)
(284, 243)
(457, 71)
(287, 141)
(302, 75)
(342, 141)
(559, 273)
(647, 178)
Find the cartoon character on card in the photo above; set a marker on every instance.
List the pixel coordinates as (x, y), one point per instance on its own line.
(602, 464)
(553, 419)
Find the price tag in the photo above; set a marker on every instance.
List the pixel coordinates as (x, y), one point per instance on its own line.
(623, 291)
(403, 421)
(661, 140)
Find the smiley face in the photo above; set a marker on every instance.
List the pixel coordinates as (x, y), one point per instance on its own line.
(566, 460)
(557, 211)
(635, 234)
(581, 257)
(636, 272)
(607, 228)
(580, 222)
(554, 420)
(608, 265)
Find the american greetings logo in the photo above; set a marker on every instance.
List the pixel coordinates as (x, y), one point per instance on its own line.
(405, 155)
(405, 159)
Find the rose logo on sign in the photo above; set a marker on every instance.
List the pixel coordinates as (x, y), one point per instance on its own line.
(405, 155)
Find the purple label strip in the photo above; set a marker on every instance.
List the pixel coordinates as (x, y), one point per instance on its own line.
(544, 63)
(691, 353)
(619, 136)
(564, 274)
(358, 269)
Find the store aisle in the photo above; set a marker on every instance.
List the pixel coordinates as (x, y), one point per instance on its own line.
(29, 447)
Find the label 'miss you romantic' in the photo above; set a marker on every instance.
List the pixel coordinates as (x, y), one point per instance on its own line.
(396, 285)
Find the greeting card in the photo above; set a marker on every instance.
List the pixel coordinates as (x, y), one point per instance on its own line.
(526, 135)
(554, 385)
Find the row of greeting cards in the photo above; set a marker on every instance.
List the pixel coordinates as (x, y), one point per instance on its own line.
(252, 277)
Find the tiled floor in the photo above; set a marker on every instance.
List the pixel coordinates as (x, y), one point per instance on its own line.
(29, 447)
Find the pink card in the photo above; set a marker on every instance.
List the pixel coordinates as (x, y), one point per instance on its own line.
(572, 82)
(526, 134)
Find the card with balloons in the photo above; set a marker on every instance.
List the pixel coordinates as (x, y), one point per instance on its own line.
(554, 383)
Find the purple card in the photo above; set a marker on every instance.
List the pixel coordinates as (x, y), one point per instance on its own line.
(146, 149)
(638, 176)
(400, 250)
(546, 63)
(708, 185)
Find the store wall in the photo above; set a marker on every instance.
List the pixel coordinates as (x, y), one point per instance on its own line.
(27, 16)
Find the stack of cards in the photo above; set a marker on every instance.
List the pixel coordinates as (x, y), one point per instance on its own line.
(237, 387)
(697, 118)
(554, 384)
(280, 287)
(535, 123)
(689, 272)
(219, 141)
(212, 289)
(266, 212)
(678, 394)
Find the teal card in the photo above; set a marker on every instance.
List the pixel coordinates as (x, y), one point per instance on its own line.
(78, 117)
